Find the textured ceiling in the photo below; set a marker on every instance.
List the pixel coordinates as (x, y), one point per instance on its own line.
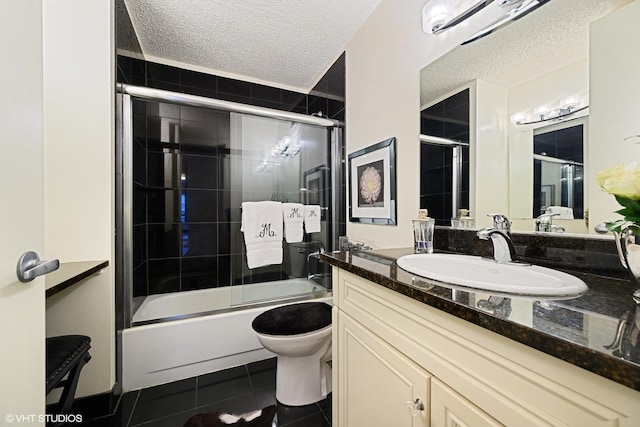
(290, 43)
(549, 38)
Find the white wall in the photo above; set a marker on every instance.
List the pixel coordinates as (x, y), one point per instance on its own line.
(383, 62)
(615, 110)
(550, 88)
(79, 173)
(489, 186)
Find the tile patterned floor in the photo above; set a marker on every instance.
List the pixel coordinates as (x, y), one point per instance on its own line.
(236, 390)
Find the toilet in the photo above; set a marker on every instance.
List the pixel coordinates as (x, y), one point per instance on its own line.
(300, 335)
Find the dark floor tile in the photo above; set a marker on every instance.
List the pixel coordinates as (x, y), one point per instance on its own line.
(123, 413)
(108, 421)
(223, 385)
(288, 414)
(262, 365)
(164, 400)
(315, 420)
(262, 374)
(266, 397)
(120, 417)
(173, 420)
(236, 405)
(236, 391)
(325, 407)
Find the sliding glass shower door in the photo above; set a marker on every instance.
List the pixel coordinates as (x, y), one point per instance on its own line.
(186, 164)
(288, 162)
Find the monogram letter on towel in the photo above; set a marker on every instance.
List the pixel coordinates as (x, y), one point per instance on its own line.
(262, 228)
(312, 218)
(293, 220)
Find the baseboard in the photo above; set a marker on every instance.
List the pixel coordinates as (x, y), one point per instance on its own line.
(94, 406)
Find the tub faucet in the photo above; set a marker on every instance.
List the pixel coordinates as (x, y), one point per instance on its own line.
(503, 249)
(315, 255)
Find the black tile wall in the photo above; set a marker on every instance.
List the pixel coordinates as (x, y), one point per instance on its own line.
(143, 73)
(447, 119)
(186, 230)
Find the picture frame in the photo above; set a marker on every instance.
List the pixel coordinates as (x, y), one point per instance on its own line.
(372, 184)
(315, 185)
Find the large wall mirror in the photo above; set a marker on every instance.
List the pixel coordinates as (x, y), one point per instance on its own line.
(524, 160)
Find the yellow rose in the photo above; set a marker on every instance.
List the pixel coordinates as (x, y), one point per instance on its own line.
(621, 180)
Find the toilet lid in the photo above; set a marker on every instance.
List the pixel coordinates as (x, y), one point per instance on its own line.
(293, 319)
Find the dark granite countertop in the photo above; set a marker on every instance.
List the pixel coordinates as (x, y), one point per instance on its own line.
(579, 331)
(70, 273)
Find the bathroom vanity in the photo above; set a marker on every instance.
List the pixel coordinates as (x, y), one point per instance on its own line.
(408, 351)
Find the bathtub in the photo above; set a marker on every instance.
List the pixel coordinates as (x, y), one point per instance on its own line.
(207, 332)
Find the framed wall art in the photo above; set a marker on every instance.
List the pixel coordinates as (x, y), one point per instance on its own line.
(372, 184)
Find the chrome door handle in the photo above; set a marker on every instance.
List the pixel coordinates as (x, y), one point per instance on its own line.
(30, 266)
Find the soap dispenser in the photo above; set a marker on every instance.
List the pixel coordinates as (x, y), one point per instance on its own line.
(423, 233)
(464, 220)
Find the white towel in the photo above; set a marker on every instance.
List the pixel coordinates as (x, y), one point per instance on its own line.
(565, 212)
(262, 228)
(312, 218)
(293, 214)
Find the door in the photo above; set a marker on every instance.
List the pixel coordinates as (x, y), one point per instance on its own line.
(22, 305)
(377, 385)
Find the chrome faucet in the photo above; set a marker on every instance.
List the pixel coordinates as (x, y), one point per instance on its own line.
(503, 249)
(501, 222)
(545, 223)
(315, 255)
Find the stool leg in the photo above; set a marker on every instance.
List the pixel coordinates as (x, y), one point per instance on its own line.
(69, 390)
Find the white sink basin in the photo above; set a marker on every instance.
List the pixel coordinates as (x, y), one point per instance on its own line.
(480, 273)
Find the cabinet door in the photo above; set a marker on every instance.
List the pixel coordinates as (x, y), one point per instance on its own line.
(449, 409)
(376, 383)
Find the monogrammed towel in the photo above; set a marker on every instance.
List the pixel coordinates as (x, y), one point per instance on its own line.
(312, 218)
(293, 218)
(262, 228)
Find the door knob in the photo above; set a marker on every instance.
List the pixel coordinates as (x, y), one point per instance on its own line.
(415, 406)
(30, 266)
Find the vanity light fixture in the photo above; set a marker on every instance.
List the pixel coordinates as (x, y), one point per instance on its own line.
(440, 15)
(435, 14)
(519, 9)
(542, 113)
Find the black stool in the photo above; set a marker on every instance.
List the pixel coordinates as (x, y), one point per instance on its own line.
(66, 354)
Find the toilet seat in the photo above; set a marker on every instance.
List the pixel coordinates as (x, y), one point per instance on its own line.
(293, 319)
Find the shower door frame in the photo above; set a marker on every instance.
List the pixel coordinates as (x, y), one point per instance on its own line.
(124, 173)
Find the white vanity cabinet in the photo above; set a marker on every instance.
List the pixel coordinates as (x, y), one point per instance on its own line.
(390, 350)
(380, 385)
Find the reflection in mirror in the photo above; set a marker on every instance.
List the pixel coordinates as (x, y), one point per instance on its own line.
(540, 60)
(444, 157)
(558, 171)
